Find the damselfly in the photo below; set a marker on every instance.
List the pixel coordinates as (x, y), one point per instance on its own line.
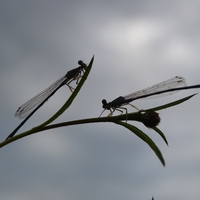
(169, 86)
(31, 106)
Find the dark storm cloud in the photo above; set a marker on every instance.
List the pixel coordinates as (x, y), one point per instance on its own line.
(136, 44)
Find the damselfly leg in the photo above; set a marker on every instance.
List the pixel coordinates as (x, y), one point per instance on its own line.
(76, 74)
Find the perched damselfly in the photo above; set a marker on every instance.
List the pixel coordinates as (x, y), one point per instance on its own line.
(31, 106)
(169, 86)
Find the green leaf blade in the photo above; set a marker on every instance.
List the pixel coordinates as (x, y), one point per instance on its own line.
(161, 134)
(145, 138)
(174, 103)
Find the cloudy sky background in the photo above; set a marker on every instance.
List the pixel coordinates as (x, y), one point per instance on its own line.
(136, 44)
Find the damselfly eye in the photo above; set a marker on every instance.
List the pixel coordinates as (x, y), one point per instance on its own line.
(104, 102)
(80, 62)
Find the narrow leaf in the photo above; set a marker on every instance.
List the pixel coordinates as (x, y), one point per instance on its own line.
(145, 138)
(174, 103)
(161, 134)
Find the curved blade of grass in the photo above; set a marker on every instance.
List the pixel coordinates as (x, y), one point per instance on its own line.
(145, 138)
(161, 134)
(174, 103)
(71, 98)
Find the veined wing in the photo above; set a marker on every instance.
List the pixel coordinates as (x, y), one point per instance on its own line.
(175, 82)
(24, 110)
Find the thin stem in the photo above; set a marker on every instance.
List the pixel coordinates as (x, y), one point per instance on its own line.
(133, 116)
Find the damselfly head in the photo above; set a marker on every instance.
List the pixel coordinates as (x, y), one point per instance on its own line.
(82, 64)
(105, 104)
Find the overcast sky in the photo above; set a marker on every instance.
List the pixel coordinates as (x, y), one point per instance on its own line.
(136, 44)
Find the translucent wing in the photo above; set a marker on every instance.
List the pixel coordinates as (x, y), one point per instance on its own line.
(175, 82)
(24, 110)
